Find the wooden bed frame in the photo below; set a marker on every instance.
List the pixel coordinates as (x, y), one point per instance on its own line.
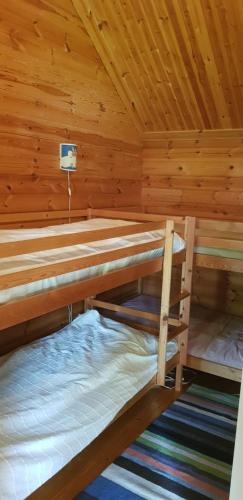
(219, 234)
(226, 235)
(216, 234)
(165, 327)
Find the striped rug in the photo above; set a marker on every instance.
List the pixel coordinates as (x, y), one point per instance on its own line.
(186, 453)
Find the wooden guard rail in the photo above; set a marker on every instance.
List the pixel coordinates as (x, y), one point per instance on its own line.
(77, 238)
(35, 305)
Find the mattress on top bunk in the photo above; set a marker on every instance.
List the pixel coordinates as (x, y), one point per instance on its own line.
(213, 336)
(28, 261)
(58, 393)
(220, 252)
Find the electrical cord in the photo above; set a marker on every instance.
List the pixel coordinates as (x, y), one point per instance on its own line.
(69, 188)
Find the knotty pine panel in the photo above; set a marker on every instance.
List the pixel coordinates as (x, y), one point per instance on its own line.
(211, 288)
(177, 64)
(197, 173)
(27, 332)
(54, 88)
(194, 173)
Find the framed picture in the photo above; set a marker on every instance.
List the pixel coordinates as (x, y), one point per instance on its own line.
(68, 157)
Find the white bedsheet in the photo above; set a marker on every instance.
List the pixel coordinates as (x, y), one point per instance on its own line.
(58, 393)
(213, 336)
(217, 338)
(23, 262)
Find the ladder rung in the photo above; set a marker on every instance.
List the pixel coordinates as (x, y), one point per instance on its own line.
(174, 331)
(178, 297)
(134, 324)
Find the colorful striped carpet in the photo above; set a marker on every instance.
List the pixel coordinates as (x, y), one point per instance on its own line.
(186, 453)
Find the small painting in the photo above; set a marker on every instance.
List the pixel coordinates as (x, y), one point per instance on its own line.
(68, 157)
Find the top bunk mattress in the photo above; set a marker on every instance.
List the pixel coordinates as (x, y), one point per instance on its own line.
(226, 253)
(58, 393)
(28, 261)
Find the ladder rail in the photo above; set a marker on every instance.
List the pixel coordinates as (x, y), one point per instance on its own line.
(185, 303)
(184, 299)
(165, 301)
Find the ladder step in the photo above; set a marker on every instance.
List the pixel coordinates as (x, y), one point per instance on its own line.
(176, 298)
(174, 331)
(135, 324)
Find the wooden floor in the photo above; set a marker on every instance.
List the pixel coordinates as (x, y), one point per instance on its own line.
(218, 383)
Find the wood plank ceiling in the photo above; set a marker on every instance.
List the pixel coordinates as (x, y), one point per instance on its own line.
(176, 64)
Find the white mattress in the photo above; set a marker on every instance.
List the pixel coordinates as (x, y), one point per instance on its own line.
(23, 262)
(58, 393)
(216, 337)
(213, 336)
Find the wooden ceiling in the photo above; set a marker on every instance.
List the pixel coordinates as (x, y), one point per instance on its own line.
(176, 64)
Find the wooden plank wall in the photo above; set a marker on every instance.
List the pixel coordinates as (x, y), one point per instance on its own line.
(194, 173)
(54, 88)
(198, 173)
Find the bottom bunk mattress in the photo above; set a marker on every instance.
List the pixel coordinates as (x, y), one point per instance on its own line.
(213, 336)
(58, 393)
(216, 337)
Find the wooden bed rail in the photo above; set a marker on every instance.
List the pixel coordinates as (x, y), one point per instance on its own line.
(41, 216)
(35, 273)
(216, 234)
(86, 212)
(29, 307)
(76, 238)
(220, 235)
(23, 309)
(138, 216)
(22, 219)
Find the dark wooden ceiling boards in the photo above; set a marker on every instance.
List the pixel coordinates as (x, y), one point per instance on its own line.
(176, 64)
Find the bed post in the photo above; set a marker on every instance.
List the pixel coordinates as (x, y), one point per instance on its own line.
(89, 213)
(165, 301)
(186, 284)
(87, 304)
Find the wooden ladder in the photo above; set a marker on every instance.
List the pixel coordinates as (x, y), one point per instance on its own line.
(171, 328)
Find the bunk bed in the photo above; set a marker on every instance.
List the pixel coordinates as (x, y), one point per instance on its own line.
(216, 338)
(95, 365)
(215, 342)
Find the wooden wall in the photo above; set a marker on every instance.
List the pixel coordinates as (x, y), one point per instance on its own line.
(201, 174)
(218, 290)
(194, 173)
(54, 88)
